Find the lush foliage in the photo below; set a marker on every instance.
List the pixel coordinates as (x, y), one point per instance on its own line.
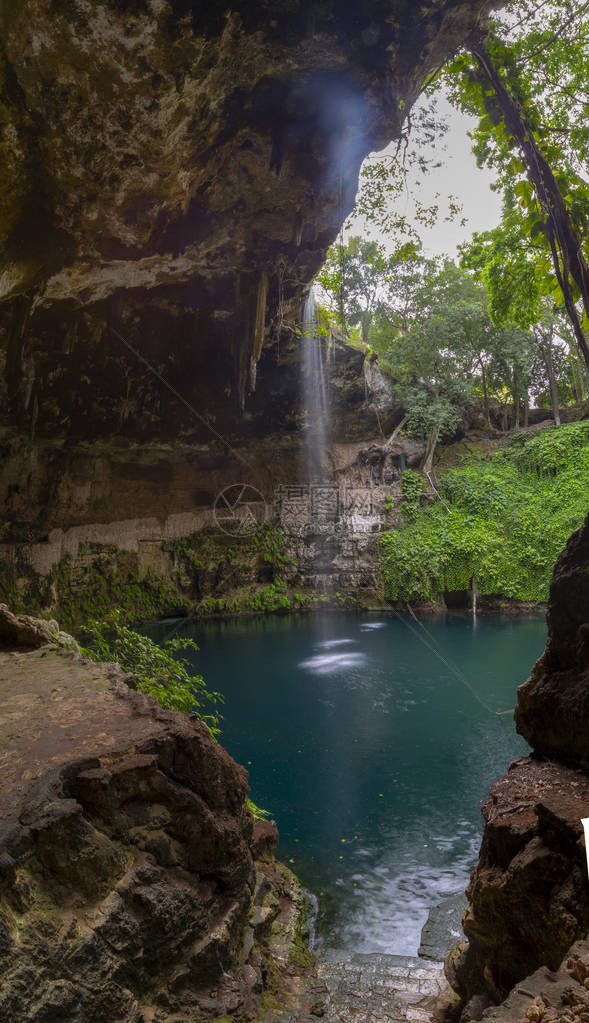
(503, 521)
(355, 279)
(413, 485)
(527, 83)
(452, 335)
(159, 670)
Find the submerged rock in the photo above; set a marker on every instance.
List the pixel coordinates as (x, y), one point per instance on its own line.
(443, 927)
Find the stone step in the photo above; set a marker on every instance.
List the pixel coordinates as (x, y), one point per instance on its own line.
(378, 988)
(366, 988)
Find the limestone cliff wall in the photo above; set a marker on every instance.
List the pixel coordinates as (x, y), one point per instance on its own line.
(88, 526)
(172, 175)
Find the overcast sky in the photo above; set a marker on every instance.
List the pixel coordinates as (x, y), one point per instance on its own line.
(460, 176)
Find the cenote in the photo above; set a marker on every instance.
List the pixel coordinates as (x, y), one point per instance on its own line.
(373, 742)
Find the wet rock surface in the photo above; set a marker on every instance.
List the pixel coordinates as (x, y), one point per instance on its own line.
(380, 989)
(373, 988)
(443, 927)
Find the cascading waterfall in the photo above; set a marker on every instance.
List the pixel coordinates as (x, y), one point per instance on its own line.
(315, 394)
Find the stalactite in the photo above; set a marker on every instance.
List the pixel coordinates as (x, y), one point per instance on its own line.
(241, 338)
(298, 230)
(14, 373)
(258, 318)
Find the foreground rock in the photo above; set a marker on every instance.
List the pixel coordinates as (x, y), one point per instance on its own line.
(24, 631)
(128, 886)
(547, 996)
(529, 895)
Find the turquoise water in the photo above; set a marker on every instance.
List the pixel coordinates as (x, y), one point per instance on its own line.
(373, 741)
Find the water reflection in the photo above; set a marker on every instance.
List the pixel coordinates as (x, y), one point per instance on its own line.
(328, 644)
(325, 664)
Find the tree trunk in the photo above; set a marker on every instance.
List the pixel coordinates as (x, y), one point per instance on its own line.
(430, 447)
(516, 404)
(549, 363)
(485, 393)
(576, 380)
(365, 321)
(389, 443)
(561, 230)
(576, 371)
(526, 409)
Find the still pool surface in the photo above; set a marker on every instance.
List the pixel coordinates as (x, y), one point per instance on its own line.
(373, 741)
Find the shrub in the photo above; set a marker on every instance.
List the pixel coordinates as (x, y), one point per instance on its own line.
(158, 669)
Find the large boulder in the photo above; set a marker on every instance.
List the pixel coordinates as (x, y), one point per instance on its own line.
(528, 895)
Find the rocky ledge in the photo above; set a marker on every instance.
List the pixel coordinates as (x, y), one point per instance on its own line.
(129, 888)
(547, 996)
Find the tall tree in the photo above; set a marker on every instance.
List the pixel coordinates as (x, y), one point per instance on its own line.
(355, 278)
(532, 132)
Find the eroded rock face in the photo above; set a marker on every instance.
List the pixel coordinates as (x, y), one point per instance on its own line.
(127, 882)
(529, 897)
(24, 631)
(174, 173)
(550, 996)
(552, 710)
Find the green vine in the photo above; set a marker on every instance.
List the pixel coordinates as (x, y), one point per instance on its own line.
(412, 488)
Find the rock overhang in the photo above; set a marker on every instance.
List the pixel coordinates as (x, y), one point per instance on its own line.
(177, 171)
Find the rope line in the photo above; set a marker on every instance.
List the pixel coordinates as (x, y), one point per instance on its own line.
(431, 646)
